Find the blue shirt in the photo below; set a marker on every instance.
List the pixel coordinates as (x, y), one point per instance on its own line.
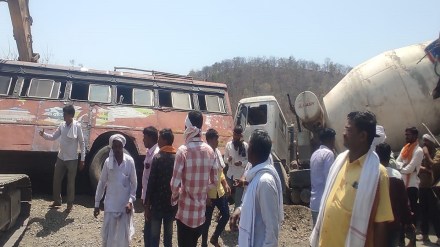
(320, 163)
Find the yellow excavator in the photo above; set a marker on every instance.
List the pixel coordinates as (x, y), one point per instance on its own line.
(21, 23)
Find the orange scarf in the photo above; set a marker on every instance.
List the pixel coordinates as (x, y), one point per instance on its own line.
(408, 150)
(168, 149)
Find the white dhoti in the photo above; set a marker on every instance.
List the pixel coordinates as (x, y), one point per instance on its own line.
(117, 229)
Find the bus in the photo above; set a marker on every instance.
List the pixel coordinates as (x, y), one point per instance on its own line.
(123, 101)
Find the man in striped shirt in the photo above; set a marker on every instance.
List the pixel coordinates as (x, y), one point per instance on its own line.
(195, 171)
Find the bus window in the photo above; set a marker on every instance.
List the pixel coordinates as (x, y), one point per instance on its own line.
(80, 91)
(124, 95)
(181, 100)
(44, 88)
(165, 99)
(257, 115)
(100, 93)
(214, 103)
(5, 85)
(143, 97)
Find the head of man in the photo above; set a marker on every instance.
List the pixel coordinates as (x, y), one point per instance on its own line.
(327, 137)
(259, 148)
(428, 141)
(166, 138)
(360, 131)
(383, 150)
(237, 134)
(150, 136)
(411, 134)
(196, 119)
(68, 113)
(212, 138)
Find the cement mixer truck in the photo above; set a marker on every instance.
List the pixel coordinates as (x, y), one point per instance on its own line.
(400, 86)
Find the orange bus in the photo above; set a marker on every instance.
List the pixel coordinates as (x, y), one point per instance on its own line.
(32, 96)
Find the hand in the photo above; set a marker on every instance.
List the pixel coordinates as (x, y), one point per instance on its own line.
(147, 213)
(41, 132)
(129, 207)
(96, 212)
(230, 159)
(234, 220)
(227, 190)
(208, 202)
(238, 163)
(81, 165)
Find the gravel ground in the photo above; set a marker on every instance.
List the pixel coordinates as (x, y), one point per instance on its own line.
(56, 227)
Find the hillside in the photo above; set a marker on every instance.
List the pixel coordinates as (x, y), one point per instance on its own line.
(247, 77)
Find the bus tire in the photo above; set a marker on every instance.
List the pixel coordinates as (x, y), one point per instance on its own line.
(97, 163)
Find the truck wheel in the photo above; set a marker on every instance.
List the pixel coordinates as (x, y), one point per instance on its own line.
(97, 164)
(305, 196)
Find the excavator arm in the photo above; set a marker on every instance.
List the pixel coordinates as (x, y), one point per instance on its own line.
(21, 23)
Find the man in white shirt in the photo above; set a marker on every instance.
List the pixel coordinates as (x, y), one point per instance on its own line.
(320, 163)
(118, 180)
(236, 158)
(409, 161)
(151, 136)
(70, 135)
(261, 213)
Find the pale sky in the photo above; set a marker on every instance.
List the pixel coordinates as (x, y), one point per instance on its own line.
(177, 36)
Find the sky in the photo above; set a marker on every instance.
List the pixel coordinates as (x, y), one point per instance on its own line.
(180, 36)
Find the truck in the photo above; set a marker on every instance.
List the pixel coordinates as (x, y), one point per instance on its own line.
(399, 86)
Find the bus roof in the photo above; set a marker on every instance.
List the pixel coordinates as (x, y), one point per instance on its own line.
(149, 75)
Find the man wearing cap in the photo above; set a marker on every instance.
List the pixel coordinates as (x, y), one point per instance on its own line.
(355, 205)
(428, 203)
(118, 180)
(320, 163)
(194, 173)
(409, 161)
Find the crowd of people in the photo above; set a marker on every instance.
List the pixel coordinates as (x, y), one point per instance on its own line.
(365, 197)
(361, 197)
(181, 185)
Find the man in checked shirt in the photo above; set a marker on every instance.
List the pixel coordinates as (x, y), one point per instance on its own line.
(195, 172)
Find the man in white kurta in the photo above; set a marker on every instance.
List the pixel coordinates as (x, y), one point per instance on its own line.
(118, 180)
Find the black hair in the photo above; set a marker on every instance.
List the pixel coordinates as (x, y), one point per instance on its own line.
(413, 130)
(69, 110)
(151, 132)
(211, 134)
(327, 134)
(383, 150)
(167, 135)
(238, 130)
(260, 144)
(196, 118)
(364, 121)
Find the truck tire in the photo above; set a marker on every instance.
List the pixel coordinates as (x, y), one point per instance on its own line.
(305, 196)
(97, 164)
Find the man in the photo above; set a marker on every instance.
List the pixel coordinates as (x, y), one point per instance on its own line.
(217, 196)
(118, 181)
(150, 142)
(355, 204)
(320, 163)
(399, 202)
(236, 158)
(409, 161)
(195, 172)
(158, 206)
(428, 202)
(70, 135)
(261, 213)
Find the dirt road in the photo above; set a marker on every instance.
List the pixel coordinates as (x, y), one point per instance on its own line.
(51, 227)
